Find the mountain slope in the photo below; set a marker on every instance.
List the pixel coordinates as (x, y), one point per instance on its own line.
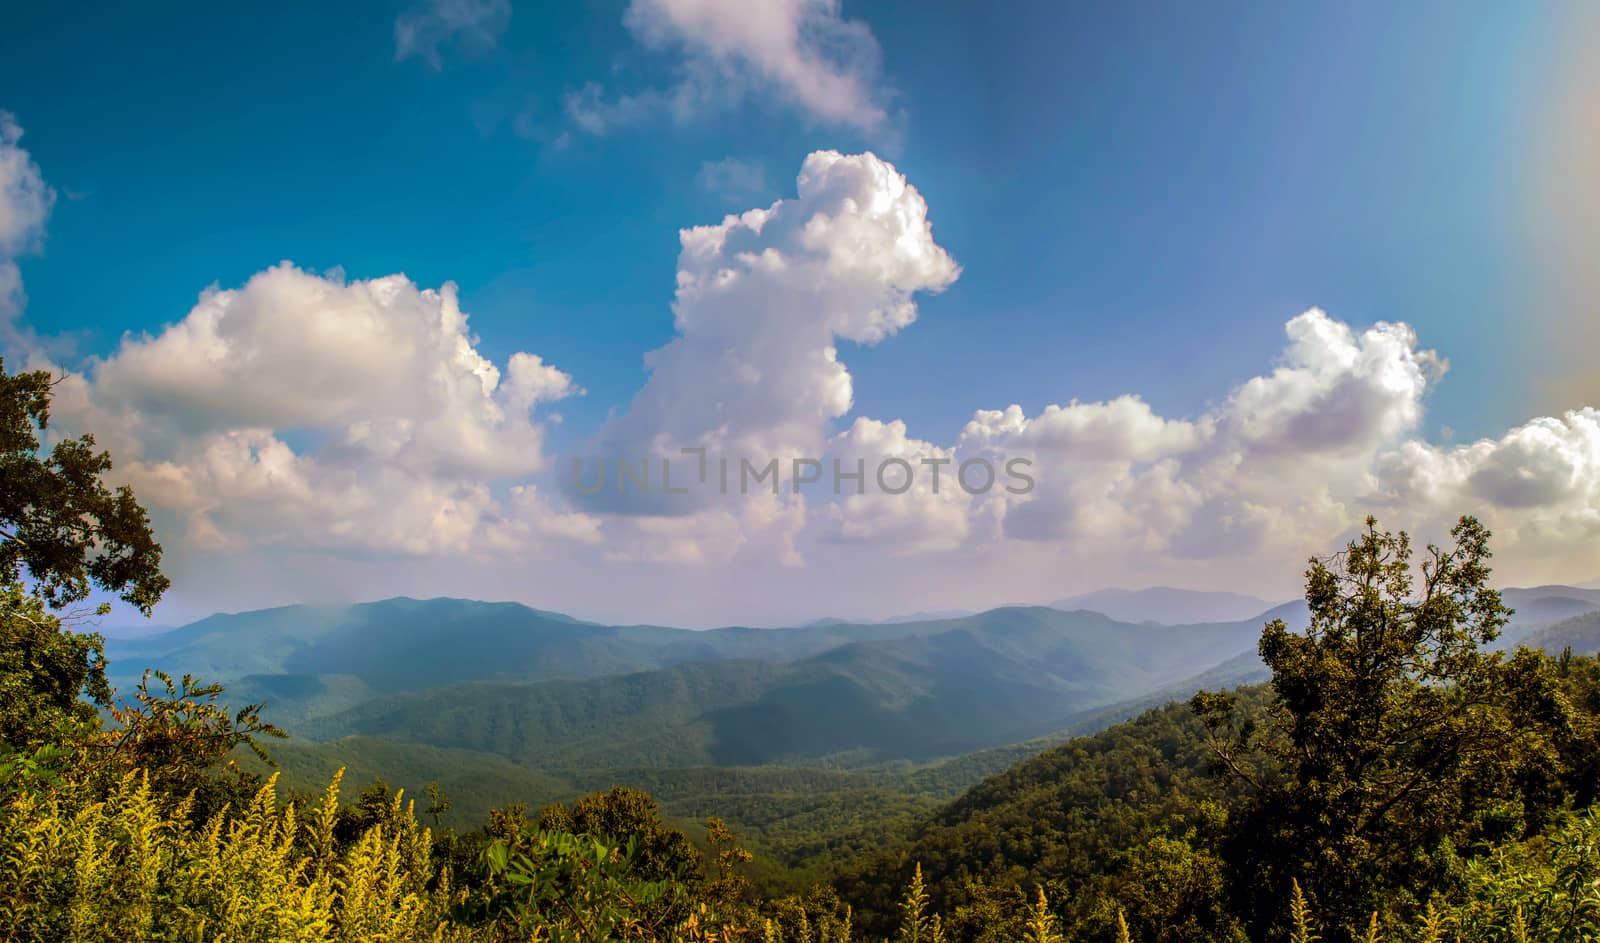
(1581, 634)
(1056, 818)
(406, 644)
(950, 688)
(312, 662)
(396, 644)
(1539, 607)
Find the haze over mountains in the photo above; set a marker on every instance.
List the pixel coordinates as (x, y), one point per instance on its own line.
(541, 687)
(545, 689)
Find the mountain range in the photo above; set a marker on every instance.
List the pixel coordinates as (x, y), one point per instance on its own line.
(497, 699)
(543, 688)
(537, 686)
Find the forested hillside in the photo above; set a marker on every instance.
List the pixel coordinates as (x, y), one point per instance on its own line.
(1005, 676)
(311, 662)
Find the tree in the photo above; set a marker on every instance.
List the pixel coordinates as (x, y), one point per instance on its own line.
(1395, 738)
(179, 735)
(59, 522)
(44, 669)
(67, 533)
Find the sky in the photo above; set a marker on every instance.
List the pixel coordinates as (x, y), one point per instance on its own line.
(347, 292)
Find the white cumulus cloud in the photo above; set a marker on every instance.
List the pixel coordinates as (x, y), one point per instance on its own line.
(312, 410)
(763, 300)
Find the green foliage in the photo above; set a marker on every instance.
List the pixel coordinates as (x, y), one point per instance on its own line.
(178, 733)
(577, 889)
(51, 678)
(728, 885)
(1396, 739)
(1119, 819)
(663, 852)
(59, 523)
(131, 867)
(51, 684)
(1546, 888)
(1302, 927)
(1041, 922)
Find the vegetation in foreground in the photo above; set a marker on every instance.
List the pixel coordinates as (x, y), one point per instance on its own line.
(1398, 780)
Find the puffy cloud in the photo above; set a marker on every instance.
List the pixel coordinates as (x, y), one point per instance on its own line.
(1287, 453)
(803, 50)
(1282, 467)
(1123, 429)
(1538, 485)
(422, 30)
(388, 365)
(1290, 461)
(25, 204)
(1336, 392)
(1546, 463)
(312, 410)
(763, 299)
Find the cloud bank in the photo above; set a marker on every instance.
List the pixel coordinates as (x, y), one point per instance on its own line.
(355, 422)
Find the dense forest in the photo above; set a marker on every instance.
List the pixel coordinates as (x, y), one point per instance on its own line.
(1397, 774)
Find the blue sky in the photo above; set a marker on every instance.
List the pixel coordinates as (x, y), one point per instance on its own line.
(1139, 196)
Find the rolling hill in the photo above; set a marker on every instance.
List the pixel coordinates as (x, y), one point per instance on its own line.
(946, 688)
(800, 820)
(1580, 633)
(313, 663)
(1055, 818)
(853, 731)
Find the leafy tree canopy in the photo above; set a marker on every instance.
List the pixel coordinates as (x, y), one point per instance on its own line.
(1396, 739)
(59, 522)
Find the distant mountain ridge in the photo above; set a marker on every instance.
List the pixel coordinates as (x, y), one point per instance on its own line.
(541, 687)
(1580, 633)
(404, 643)
(1540, 608)
(947, 688)
(1167, 605)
